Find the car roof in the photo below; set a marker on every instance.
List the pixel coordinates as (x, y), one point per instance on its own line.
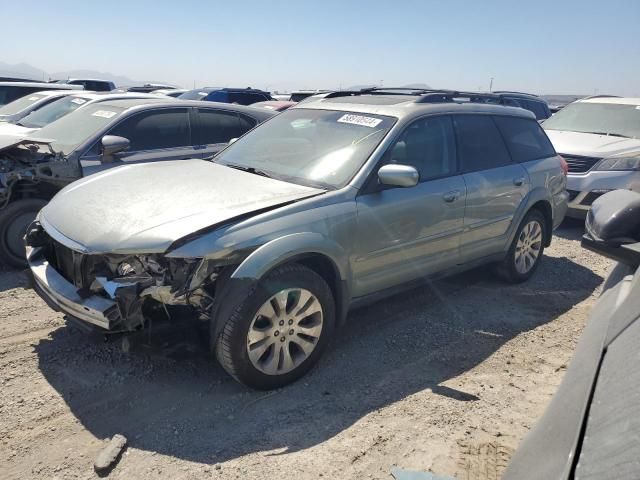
(106, 96)
(506, 93)
(43, 85)
(401, 106)
(226, 89)
(88, 80)
(274, 104)
(614, 100)
(148, 102)
(57, 93)
(310, 91)
(171, 90)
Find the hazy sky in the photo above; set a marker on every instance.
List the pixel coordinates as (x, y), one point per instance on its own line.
(539, 46)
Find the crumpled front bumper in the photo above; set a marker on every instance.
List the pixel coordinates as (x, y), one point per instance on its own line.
(62, 295)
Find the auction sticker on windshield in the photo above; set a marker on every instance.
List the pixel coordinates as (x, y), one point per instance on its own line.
(103, 113)
(78, 101)
(360, 120)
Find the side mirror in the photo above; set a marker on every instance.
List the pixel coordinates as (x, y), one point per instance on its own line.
(233, 140)
(112, 145)
(613, 227)
(398, 175)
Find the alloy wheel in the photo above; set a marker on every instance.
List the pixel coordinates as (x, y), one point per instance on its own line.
(285, 331)
(528, 247)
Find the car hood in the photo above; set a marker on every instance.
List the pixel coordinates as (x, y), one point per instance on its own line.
(591, 145)
(15, 130)
(8, 141)
(145, 208)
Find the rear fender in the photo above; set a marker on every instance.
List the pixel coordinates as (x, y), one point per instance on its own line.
(534, 196)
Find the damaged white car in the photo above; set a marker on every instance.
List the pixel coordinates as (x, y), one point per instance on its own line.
(106, 131)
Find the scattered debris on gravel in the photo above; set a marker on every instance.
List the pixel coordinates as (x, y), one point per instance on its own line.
(109, 455)
(446, 378)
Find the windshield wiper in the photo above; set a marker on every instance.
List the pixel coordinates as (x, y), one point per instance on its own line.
(609, 134)
(253, 170)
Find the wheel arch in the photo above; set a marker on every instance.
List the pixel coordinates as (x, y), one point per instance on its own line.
(544, 207)
(23, 189)
(313, 250)
(539, 199)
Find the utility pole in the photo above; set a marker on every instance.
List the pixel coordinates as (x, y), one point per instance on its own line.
(491, 85)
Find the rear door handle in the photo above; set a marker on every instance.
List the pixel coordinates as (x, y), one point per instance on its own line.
(451, 196)
(518, 181)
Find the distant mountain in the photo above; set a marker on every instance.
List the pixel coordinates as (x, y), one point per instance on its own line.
(24, 70)
(119, 80)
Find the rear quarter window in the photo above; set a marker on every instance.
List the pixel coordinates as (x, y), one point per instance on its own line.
(525, 139)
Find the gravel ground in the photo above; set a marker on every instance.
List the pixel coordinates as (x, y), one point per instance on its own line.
(448, 377)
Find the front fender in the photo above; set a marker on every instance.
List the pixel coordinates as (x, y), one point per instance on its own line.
(288, 248)
(276, 252)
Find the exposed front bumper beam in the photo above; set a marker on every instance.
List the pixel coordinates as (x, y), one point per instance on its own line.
(63, 296)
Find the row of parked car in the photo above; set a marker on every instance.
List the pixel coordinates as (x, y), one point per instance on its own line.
(269, 226)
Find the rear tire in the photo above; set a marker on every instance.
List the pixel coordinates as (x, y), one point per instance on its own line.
(277, 332)
(14, 220)
(526, 250)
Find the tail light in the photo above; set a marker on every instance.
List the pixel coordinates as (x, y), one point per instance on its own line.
(564, 165)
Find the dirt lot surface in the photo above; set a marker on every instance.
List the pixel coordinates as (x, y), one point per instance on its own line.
(448, 377)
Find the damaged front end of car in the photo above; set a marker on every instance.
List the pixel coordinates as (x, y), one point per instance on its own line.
(32, 168)
(117, 292)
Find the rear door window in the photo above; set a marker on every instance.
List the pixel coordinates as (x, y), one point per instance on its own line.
(525, 138)
(166, 128)
(219, 126)
(479, 142)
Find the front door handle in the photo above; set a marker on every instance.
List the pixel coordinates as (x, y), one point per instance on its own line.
(451, 196)
(518, 181)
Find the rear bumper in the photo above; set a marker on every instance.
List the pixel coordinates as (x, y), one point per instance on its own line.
(63, 296)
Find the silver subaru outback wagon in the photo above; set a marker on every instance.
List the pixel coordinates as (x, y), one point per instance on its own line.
(323, 207)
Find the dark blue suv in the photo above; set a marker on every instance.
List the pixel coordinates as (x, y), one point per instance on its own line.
(241, 96)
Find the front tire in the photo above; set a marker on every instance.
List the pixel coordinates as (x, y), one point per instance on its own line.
(279, 330)
(14, 220)
(526, 250)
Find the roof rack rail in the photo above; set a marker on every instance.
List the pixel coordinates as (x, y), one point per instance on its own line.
(452, 95)
(424, 95)
(510, 91)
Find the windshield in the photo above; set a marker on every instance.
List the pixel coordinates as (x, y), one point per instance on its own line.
(602, 118)
(194, 95)
(53, 111)
(20, 104)
(310, 147)
(70, 131)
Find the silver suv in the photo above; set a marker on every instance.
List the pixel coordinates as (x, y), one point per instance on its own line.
(599, 137)
(321, 208)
